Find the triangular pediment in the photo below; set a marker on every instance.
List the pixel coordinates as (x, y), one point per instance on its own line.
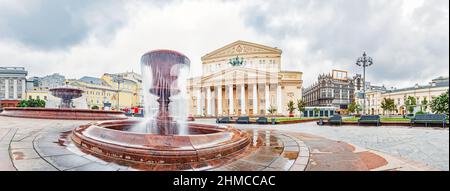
(241, 48)
(239, 73)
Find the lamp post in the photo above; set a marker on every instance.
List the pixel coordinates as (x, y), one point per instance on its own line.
(119, 79)
(364, 61)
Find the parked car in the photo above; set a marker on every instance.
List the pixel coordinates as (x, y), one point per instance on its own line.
(223, 120)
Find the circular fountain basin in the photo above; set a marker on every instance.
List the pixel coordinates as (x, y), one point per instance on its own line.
(205, 142)
(69, 114)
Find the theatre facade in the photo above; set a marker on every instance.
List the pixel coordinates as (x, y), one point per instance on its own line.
(243, 79)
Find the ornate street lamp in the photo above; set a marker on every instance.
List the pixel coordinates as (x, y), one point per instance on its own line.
(364, 61)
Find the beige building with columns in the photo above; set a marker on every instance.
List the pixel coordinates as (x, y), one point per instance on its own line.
(243, 79)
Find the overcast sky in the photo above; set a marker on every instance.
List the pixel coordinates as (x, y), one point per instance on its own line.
(408, 39)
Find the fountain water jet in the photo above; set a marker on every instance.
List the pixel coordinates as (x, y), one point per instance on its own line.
(162, 70)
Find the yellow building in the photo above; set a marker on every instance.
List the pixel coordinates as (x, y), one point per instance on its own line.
(37, 93)
(130, 86)
(97, 92)
(243, 79)
(114, 91)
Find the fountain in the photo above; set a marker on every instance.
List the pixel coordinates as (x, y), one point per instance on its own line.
(66, 109)
(66, 94)
(164, 137)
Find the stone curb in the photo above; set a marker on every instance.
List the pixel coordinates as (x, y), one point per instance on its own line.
(302, 160)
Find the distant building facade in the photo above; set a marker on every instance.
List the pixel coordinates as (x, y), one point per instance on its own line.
(332, 90)
(421, 92)
(12, 85)
(46, 82)
(111, 91)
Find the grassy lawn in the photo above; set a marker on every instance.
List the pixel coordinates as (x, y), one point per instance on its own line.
(281, 119)
(383, 119)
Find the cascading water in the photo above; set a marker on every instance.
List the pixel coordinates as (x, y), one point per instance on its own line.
(164, 137)
(165, 74)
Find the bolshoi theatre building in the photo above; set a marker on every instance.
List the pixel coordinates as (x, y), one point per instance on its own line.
(243, 79)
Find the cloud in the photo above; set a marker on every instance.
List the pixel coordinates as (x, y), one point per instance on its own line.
(408, 39)
(407, 42)
(51, 24)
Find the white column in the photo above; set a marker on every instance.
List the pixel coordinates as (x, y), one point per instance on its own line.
(219, 101)
(230, 97)
(15, 89)
(279, 100)
(208, 101)
(243, 100)
(23, 89)
(255, 99)
(6, 89)
(199, 102)
(267, 97)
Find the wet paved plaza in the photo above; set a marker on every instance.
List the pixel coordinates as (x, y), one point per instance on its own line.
(36, 144)
(429, 146)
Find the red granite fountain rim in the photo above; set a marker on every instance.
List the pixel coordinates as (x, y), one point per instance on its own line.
(96, 133)
(59, 110)
(109, 123)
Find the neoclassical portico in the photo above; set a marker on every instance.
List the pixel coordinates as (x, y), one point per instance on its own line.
(243, 90)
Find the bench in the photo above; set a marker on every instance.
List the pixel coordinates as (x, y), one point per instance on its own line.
(262, 120)
(429, 119)
(223, 120)
(335, 119)
(369, 119)
(243, 120)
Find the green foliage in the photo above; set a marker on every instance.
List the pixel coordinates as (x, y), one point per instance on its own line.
(32, 103)
(388, 104)
(424, 104)
(420, 113)
(291, 107)
(95, 107)
(439, 105)
(354, 107)
(410, 104)
(301, 105)
(272, 110)
(316, 111)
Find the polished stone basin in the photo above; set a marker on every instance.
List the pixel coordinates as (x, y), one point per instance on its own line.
(205, 142)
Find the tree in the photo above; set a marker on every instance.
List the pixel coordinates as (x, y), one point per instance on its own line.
(32, 103)
(388, 104)
(291, 107)
(301, 106)
(352, 107)
(410, 104)
(316, 111)
(358, 109)
(439, 105)
(272, 110)
(424, 105)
